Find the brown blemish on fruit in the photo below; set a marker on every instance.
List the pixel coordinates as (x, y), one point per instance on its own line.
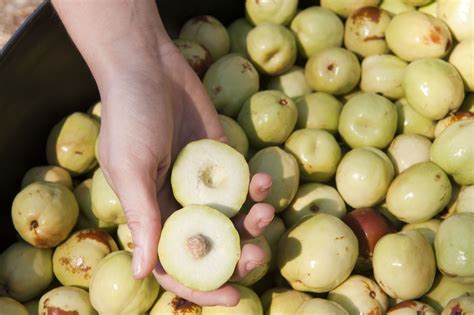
(99, 236)
(374, 311)
(246, 67)
(198, 245)
(340, 237)
(437, 177)
(402, 305)
(373, 37)
(184, 45)
(78, 152)
(314, 208)
(456, 310)
(75, 267)
(370, 13)
(435, 35)
(200, 65)
(201, 18)
(130, 245)
(59, 311)
(184, 306)
(372, 294)
(283, 101)
(33, 225)
(331, 67)
(217, 89)
(448, 45)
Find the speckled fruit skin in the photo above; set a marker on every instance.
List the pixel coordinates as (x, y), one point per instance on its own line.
(419, 193)
(277, 11)
(408, 149)
(71, 143)
(458, 14)
(281, 301)
(345, 7)
(411, 308)
(400, 273)
(230, 81)
(427, 228)
(410, 121)
(47, 173)
(238, 31)
(195, 54)
(66, 300)
(170, 304)
(25, 271)
(318, 254)
(11, 307)
(292, 83)
(461, 57)
(318, 110)
(315, 306)
(462, 305)
(249, 304)
(444, 290)
(453, 151)
(44, 213)
(106, 205)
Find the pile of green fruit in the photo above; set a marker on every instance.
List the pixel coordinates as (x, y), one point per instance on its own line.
(362, 112)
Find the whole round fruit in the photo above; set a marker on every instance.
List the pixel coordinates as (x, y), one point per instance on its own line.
(276, 11)
(444, 290)
(400, 273)
(318, 254)
(44, 213)
(193, 239)
(318, 110)
(407, 150)
(114, 290)
(458, 14)
(433, 87)
(106, 205)
(170, 304)
(268, 118)
(195, 54)
(261, 270)
(462, 305)
(428, 229)
(230, 81)
(315, 29)
(413, 35)
(249, 304)
(411, 308)
(345, 7)
(25, 271)
(66, 300)
(368, 119)
(292, 83)
(238, 31)
(410, 121)
(333, 70)
(272, 48)
(462, 55)
(49, 173)
(282, 301)
(9, 306)
(320, 306)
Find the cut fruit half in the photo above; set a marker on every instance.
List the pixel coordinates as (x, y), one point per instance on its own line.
(211, 173)
(199, 247)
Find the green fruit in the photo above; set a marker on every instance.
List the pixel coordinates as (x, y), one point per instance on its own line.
(368, 120)
(283, 168)
(71, 143)
(170, 304)
(410, 121)
(396, 7)
(268, 118)
(95, 111)
(407, 150)
(399, 272)
(9, 306)
(66, 300)
(113, 289)
(318, 110)
(413, 35)
(282, 301)
(318, 254)
(453, 151)
(25, 271)
(462, 55)
(462, 305)
(292, 83)
(249, 304)
(345, 7)
(106, 205)
(315, 29)
(261, 270)
(75, 260)
(230, 81)
(209, 32)
(444, 290)
(49, 173)
(273, 233)
(272, 48)
(195, 54)
(465, 200)
(44, 213)
(417, 3)
(124, 236)
(333, 70)
(363, 177)
(238, 31)
(433, 87)
(428, 229)
(320, 306)
(276, 11)
(458, 14)
(454, 247)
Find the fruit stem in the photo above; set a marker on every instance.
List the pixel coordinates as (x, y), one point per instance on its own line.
(199, 246)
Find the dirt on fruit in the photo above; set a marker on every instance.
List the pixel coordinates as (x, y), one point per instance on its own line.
(99, 236)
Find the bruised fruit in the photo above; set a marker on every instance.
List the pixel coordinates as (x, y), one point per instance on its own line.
(193, 239)
(66, 300)
(320, 306)
(407, 150)
(106, 205)
(410, 121)
(318, 110)
(44, 213)
(411, 308)
(261, 270)
(276, 11)
(49, 173)
(249, 304)
(195, 54)
(238, 31)
(124, 236)
(344, 8)
(292, 83)
(170, 304)
(9, 306)
(282, 301)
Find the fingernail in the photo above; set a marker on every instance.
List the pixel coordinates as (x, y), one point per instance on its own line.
(251, 265)
(137, 266)
(265, 188)
(264, 223)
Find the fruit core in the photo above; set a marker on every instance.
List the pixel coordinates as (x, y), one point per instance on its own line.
(209, 176)
(198, 245)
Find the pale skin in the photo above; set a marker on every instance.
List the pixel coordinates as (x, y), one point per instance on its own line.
(152, 105)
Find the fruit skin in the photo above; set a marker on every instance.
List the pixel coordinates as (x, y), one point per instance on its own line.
(369, 226)
(363, 177)
(399, 273)
(25, 271)
(249, 304)
(433, 87)
(462, 305)
(95, 111)
(75, 260)
(238, 31)
(106, 205)
(345, 7)
(283, 168)
(292, 83)
(124, 236)
(318, 254)
(407, 150)
(396, 7)
(316, 28)
(312, 198)
(413, 35)
(268, 118)
(209, 32)
(260, 271)
(430, 8)
(113, 290)
(444, 290)
(428, 229)
(278, 11)
(44, 213)
(66, 300)
(171, 304)
(462, 55)
(419, 193)
(230, 81)
(71, 143)
(368, 119)
(465, 201)
(282, 301)
(444, 123)
(458, 14)
(195, 54)
(48, 173)
(321, 306)
(410, 121)
(453, 151)
(9, 306)
(364, 31)
(454, 248)
(32, 306)
(333, 70)
(360, 295)
(411, 307)
(273, 233)
(318, 110)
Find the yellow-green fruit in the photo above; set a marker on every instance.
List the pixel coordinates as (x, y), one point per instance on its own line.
(273, 233)
(66, 300)
(32, 306)
(44, 213)
(75, 260)
(49, 173)
(106, 205)
(261, 270)
(450, 119)
(462, 58)
(458, 14)
(238, 31)
(25, 271)
(71, 143)
(9, 306)
(320, 306)
(318, 110)
(113, 289)
(292, 83)
(124, 236)
(95, 111)
(444, 290)
(170, 304)
(430, 8)
(282, 301)
(249, 304)
(345, 7)
(465, 201)
(276, 11)
(410, 121)
(396, 7)
(236, 136)
(411, 307)
(427, 228)
(407, 150)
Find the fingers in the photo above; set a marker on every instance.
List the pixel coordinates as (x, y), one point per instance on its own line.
(225, 295)
(260, 186)
(251, 257)
(254, 223)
